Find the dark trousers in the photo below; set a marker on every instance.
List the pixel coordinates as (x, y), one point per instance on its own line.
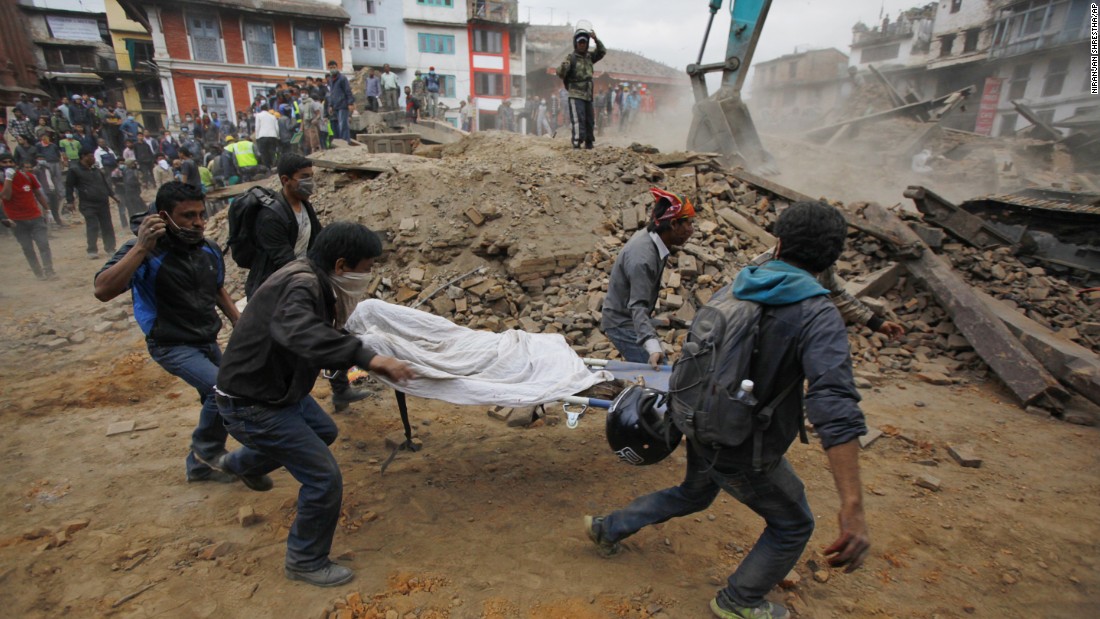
(776, 494)
(33, 233)
(268, 149)
(581, 121)
(197, 365)
(372, 103)
(97, 222)
(146, 168)
(295, 437)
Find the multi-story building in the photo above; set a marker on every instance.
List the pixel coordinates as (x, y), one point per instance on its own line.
(899, 48)
(377, 34)
(71, 49)
(133, 51)
(436, 36)
(19, 73)
(1040, 55)
(222, 53)
(497, 56)
(800, 88)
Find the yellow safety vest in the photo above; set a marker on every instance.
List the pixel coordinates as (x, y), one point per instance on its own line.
(242, 150)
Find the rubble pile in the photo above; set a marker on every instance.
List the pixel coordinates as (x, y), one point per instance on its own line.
(508, 232)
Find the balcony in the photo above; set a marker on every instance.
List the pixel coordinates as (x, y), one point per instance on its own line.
(1044, 40)
(498, 11)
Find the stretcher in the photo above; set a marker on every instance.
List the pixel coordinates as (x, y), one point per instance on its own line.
(575, 406)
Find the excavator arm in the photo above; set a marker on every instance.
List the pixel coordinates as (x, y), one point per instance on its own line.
(721, 122)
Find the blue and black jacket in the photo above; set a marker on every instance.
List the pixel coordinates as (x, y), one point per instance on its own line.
(175, 291)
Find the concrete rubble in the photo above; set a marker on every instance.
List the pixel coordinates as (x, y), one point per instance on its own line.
(549, 222)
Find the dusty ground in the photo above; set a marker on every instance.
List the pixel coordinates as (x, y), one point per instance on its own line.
(485, 521)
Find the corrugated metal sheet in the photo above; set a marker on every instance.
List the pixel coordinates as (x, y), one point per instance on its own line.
(1044, 200)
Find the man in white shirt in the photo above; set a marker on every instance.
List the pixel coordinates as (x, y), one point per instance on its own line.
(267, 136)
(391, 90)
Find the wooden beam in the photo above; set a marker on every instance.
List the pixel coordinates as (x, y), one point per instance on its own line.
(895, 97)
(951, 99)
(1033, 118)
(875, 284)
(742, 223)
(1074, 365)
(350, 167)
(233, 191)
(1009, 359)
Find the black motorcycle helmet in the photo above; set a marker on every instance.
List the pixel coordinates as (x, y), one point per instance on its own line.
(639, 426)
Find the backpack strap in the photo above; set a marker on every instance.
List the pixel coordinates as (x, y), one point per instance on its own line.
(763, 420)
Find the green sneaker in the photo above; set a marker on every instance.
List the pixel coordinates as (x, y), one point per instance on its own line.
(766, 610)
(593, 526)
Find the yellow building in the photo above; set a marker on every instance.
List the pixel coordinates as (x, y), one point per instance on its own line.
(137, 75)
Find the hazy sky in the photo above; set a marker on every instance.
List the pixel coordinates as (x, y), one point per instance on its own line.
(672, 31)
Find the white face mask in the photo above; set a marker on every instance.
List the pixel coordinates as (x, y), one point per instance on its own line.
(350, 289)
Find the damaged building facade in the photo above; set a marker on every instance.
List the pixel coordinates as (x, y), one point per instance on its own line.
(1032, 53)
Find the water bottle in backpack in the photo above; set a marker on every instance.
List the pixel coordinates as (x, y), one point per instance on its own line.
(744, 394)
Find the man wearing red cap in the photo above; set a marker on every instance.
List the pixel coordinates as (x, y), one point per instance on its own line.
(636, 278)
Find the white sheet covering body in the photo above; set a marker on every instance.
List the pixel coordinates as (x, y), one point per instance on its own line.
(464, 366)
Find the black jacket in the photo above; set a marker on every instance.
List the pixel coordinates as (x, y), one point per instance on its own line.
(285, 336)
(276, 232)
(175, 290)
(89, 183)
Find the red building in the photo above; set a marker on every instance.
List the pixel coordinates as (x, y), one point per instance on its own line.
(497, 57)
(222, 53)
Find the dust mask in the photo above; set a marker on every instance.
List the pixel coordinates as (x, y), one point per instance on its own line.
(187, 237)
(350, 289)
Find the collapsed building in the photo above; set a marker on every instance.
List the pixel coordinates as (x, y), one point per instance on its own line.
(515, 232)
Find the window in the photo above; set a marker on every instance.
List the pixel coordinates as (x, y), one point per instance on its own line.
(368, 38)
(149, 92)
(1056, 76)
(1018, 86)
(206, 36)
(488, 41)
(792, 70)
(970, 43)
(259, 90)
(67, 58)
(446, 3)
(488, 84)
(1047, 116)
(435, 43)
(259, 43)
(514, 43)
(140, 52)
(307, 41)
(517, 86)
(215, 98)
(447, 85)
(956, 5)
(880, 53)
(367, 7)
(1008, 125)
(947, 41)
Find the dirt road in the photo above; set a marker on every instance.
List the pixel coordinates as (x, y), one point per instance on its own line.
(485, 521)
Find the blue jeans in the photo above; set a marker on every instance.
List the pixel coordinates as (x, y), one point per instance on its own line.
(625, 340)
(776, 494)
(341, 128)
(296, 437)
(197, 365)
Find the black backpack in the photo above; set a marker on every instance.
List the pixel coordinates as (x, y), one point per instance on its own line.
(242, 223)
(718, 354)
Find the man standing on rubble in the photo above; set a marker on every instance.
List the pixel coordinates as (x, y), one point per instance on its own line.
(801, 338)
(177, 279)
(339, 100)
(289, 331)
(636, 279)
(576, 72)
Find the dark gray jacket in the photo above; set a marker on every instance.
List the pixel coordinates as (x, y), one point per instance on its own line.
(633, 287)
(276, 233)
(803, 341)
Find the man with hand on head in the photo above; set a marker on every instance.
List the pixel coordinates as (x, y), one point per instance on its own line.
(177, 279)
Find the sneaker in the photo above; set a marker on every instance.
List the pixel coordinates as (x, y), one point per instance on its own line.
(215, 475)
(93, 255)
(259, 483)
(593, 526)
(342, 399)
(765, 610)
(331, 575)
(50, 275)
